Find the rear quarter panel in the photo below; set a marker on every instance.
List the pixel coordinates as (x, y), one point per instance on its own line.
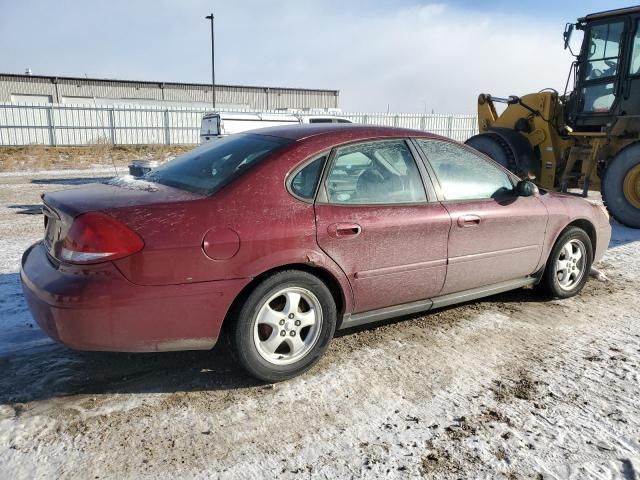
(274, 229)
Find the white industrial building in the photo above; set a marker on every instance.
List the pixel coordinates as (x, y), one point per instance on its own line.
(15, 88)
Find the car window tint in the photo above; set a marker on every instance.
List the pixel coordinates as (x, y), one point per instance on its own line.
(207, 168)
(304, 182)
(375, 173)
(464, 175)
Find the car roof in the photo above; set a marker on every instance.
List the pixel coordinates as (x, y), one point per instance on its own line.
(355, 130)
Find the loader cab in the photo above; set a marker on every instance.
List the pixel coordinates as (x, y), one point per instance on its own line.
(606, 71)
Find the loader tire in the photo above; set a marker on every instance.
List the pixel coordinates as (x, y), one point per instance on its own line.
(621, 186)
(495, 148)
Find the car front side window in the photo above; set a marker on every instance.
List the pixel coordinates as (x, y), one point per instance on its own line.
(462, 174)
(380, 172)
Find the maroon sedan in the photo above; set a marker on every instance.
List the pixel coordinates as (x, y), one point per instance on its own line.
(282, 235)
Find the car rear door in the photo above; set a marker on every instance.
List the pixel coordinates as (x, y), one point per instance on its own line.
(496, 235)
(376, 221)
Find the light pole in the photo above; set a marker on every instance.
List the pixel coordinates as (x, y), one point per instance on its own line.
(213, 60)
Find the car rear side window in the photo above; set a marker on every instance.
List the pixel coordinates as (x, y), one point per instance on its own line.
(305, 182)
(209, 167)
(462, 174)
(380, 172)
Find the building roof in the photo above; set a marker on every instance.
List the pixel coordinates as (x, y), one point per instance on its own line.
(56, 79)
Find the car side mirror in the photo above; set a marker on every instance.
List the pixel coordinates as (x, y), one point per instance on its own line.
(526, 188)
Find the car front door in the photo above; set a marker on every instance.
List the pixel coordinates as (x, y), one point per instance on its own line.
(374, 219)
(496, 235)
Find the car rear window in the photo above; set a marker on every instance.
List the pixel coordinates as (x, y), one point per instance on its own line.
(209, 167)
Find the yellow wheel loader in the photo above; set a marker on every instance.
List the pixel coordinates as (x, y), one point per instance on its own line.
(588, 138)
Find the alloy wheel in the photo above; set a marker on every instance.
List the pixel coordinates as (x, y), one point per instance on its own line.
(570, 264)
(287, 326)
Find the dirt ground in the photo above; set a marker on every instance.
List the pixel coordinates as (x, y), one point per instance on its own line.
(511, 387)
(118, 157)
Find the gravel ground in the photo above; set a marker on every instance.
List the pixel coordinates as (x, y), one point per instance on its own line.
(509, 387)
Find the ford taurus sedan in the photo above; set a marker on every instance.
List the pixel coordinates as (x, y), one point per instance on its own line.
(278, 237)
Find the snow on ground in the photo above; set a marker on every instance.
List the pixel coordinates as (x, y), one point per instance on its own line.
(509, 387)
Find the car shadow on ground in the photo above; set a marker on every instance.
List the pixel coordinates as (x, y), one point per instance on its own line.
(43, 369)
(53, 370)
(27, 208)
(519, 296)
(33, 367)
(69, 181)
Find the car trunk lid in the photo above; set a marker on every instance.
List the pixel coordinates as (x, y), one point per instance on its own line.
(117, 193)
(60, 208)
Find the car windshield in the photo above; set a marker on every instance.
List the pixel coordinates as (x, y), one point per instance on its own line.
(209, 167)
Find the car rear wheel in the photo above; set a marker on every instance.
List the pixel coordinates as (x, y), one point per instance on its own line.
(284, 326)
(569, 264)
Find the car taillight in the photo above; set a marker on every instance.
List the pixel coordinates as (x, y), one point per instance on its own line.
(96, 237)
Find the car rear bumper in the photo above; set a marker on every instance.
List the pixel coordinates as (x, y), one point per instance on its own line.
(97, 308)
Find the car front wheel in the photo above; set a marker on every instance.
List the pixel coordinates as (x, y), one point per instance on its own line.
(569, 264)
(284, 326)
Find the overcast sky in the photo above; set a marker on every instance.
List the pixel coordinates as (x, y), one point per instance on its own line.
(409, 55)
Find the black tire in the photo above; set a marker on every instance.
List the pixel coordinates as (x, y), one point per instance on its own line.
(493, 147)
(613, 190)
(550, 282)
(242, 335)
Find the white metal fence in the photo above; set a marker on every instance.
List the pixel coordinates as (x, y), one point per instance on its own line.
(458, 127)
(66, 125)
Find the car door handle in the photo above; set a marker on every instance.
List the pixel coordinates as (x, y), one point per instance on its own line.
(344, 230)
(468, 221)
